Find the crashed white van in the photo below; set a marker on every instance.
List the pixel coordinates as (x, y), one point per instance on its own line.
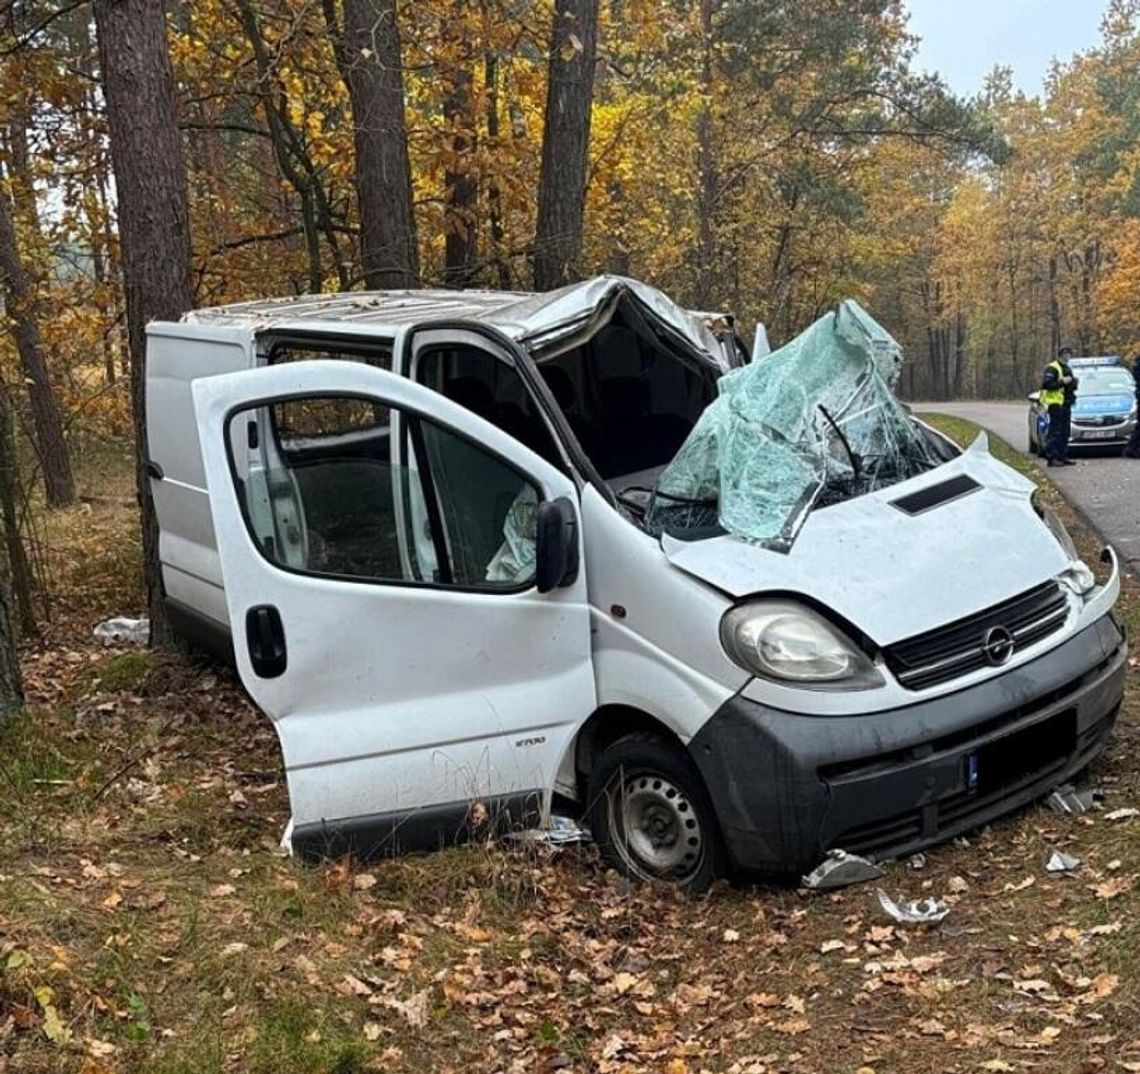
(527, 551)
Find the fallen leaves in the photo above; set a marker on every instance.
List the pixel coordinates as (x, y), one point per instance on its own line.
(794, 1027)
(485, 960)
(1112, 888)
(414, 1010)
(1122, 814)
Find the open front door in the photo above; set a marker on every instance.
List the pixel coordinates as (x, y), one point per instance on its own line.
(380, 574)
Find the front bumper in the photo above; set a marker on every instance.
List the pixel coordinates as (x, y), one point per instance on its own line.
(1101, 435)
(787, 787)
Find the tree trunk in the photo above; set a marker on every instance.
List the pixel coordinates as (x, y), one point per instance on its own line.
(459, 184)
(150, 180)
(960, 357)
(565, 143)
(18, 579)
(285, 143)
(368, 55)
(707, 172)
(494, 196)
(11, 681)
(20, 300)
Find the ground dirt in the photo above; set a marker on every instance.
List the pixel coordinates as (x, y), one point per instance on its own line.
(148, 921)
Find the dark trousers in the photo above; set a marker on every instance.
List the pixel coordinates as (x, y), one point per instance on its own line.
(1057, 439)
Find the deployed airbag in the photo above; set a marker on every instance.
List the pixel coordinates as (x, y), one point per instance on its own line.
(813, 422)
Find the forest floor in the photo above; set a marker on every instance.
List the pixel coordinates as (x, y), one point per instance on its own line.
(149, 922)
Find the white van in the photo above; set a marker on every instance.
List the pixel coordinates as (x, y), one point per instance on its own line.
(437, 570)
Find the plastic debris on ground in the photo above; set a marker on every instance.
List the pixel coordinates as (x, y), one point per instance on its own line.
(917, 862)
(1122, 814)
(814, 422)
(123, 631)
(558, 832)
(1060, 862)
(921, 912)
(839, 869)
(1067, 799)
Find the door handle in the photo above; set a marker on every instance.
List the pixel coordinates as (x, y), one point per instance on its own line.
(265, 638)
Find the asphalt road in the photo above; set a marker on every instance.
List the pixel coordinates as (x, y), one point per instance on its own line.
(1105, 487)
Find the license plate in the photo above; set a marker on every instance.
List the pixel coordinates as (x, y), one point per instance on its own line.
(1012, 758)
(1098, 434)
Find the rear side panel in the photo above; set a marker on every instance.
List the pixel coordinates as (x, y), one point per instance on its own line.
(191, 573)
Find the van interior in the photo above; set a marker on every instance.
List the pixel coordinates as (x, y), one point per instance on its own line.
(629, 397)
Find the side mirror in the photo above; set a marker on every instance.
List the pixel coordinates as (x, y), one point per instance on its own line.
(1033, 397)
(555, 544)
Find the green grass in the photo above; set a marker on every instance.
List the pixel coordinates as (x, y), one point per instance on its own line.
(121, 672)
(964, 433)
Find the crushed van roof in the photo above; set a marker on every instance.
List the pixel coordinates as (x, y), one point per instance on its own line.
(524, 316)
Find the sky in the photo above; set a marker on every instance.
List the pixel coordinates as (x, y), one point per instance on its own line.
(964, 39)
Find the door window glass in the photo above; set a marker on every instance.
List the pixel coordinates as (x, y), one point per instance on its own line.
(351, 488)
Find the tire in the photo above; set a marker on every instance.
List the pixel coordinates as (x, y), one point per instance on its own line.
(651, 816)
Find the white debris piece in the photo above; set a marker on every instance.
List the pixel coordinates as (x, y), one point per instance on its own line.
(557, 832)
(923, 912)
(123, 631)
(1067, 799)
(839, 869)
(1122, 814)
(1060, 862)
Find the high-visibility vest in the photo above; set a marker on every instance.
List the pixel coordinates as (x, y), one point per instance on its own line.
(1054, 396)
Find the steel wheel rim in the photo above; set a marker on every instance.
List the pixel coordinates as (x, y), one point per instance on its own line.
(654, 827)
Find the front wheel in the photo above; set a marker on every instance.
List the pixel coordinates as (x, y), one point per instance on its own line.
(651, 816)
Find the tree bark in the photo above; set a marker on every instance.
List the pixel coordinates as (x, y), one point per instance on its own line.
(154, 229)
(459, 184)
(18, 579)
(565, 143)
(707, 173)
(11, 680)
(285, 141)
(494, 195)
(368, 54)
(20, 300)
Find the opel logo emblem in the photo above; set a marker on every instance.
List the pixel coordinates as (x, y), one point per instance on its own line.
(997, 646)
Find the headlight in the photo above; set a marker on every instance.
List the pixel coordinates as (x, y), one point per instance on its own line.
(790, 643)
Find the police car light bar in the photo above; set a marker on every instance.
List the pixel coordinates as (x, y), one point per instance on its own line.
(1088, 363)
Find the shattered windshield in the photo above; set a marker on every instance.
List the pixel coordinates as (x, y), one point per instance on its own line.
(815, 422)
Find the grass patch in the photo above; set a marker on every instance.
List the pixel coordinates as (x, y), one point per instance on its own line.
(122, 672)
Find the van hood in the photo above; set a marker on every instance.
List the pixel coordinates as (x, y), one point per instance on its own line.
(896, 564)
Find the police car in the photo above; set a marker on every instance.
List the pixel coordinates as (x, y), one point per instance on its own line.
(1104, 413)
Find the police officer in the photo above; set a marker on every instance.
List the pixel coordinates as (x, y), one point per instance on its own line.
(1132, 451)
(1058, 391)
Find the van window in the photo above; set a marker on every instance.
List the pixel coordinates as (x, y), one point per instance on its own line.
(345, 487)
(492, 389)
(377, 352)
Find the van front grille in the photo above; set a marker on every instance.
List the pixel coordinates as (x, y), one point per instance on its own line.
(979, 640)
